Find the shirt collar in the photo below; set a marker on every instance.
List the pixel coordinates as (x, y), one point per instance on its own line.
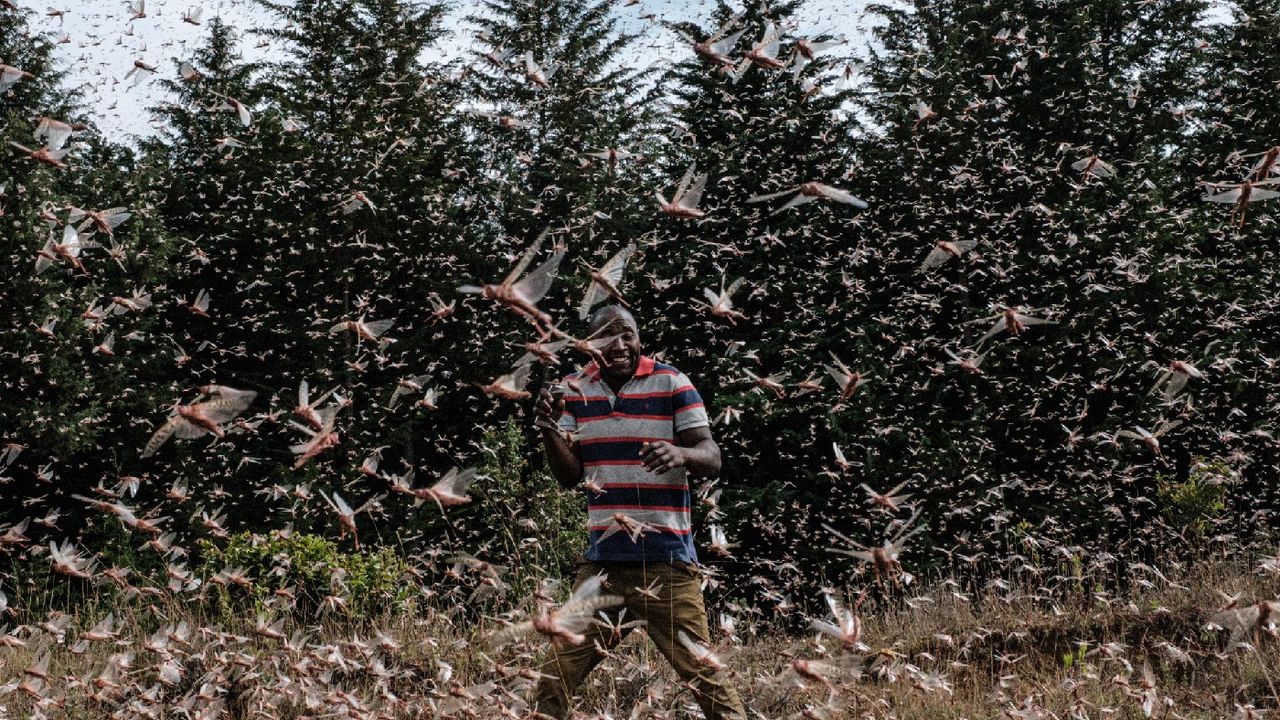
(644, 368)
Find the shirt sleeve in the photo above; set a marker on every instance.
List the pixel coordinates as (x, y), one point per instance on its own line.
(686, 404)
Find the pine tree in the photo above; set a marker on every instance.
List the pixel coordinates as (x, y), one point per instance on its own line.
(25, 189)
(772, 130)
(209, 180)
(1240, 77)
(338, 207)
(206, 153)
(549, 83)
(78, 355)
(1049, 134)
(1235, 128)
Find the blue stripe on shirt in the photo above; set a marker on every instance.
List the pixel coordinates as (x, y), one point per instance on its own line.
(640, 495)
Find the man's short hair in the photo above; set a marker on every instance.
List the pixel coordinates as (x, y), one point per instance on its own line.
(603, 314)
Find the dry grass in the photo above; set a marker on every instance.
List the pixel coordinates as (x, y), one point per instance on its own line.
(1008, 652)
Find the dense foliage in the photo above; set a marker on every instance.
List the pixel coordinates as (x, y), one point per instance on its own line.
(360, 179)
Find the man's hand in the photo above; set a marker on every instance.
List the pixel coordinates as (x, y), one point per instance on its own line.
(562, 455)
(548, 409)
(661, 456)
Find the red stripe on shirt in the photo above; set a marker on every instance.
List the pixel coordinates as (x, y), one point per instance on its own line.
(595, 463)
(642, 486)
(655, 394)
(672, 531)
(657, 508)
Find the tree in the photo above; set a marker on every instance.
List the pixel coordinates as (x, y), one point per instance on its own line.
(549, 84)
(78, 358)
(1239, 75)
(1047, 133)
(317, 201)
(769, 132)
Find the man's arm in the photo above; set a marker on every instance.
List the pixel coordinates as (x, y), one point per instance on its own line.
(696, 451)
(562, 457)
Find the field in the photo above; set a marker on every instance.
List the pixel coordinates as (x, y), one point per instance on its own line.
(1009, 650)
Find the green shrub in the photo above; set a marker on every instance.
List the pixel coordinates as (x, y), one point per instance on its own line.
(1076, 659)
(554, 531)
(369, 582)
(1195, 504)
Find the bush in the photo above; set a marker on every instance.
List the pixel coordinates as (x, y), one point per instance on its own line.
(1197, 503)
(363, 583)
(552, 530)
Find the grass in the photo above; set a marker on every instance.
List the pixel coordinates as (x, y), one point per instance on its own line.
(1012, 650)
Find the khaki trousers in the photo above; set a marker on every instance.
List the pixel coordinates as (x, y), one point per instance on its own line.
(678, 607)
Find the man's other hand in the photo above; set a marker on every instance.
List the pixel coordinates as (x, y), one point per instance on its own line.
(549, 407)
(661, 456)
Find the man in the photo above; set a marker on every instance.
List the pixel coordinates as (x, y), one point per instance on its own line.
(639, 430)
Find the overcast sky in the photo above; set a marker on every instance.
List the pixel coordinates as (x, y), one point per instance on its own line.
(103, 42)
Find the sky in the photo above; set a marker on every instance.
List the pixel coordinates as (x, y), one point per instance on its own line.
(101, 41)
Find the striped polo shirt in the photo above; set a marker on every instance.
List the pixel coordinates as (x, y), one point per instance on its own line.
(655, 404)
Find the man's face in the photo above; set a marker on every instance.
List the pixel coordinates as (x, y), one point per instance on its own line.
(623, 354)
